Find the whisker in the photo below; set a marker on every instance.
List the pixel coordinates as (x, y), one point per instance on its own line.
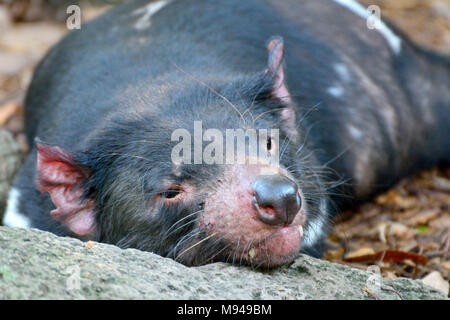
(285, 146)
(246, 247)
(168, 234)
(186, 217)
(236, 249)
(219, 252)
(313, 108)
(186, 238)
(338, 156)
(196, 244)
(266, 112)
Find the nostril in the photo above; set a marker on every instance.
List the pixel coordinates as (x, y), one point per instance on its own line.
(267, 208)
(266, 214)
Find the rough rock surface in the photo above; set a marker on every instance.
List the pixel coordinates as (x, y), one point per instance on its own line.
(39, 265)
(10, 160)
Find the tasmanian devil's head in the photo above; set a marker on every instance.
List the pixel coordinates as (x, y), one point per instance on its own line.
(211, 170)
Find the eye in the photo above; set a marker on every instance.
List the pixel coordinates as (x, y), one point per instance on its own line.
(171, 193)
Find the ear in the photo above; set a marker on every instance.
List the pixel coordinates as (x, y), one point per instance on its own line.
(279, 89)
(61, 177)
(276, 71)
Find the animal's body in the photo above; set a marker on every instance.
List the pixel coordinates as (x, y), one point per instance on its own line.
(356, 108)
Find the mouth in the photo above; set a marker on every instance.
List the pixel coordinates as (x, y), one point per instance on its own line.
(277, 249)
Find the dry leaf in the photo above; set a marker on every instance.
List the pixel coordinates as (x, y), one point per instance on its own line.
(446, 265)
(430, 246)
(359, 253)
(441, 222)
(423, 217)
(398, 229)
(442, 183)
(388, 256)
(334, 254)
(382, 232)
(408, 245)
(394, 198)
(391, 275)
(7, 111)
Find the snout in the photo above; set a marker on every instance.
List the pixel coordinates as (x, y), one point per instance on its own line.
(258, 213)
(276, 199)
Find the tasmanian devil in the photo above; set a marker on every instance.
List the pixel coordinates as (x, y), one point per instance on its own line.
(346, 106)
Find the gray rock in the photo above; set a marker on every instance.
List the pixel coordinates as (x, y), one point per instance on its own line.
(10, 160)
(38, 265)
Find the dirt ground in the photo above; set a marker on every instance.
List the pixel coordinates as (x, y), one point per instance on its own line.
(404, 232)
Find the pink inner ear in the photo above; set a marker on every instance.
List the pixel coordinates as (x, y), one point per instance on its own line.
(60, 176)
(280, 90)
(276, 54)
